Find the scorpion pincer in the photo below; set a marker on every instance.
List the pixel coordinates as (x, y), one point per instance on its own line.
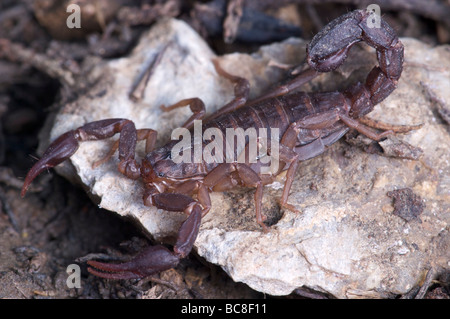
(307, 122)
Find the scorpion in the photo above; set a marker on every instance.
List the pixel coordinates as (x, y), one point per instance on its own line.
(308, 123)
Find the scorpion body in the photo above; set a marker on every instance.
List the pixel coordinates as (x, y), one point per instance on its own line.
(307, 122)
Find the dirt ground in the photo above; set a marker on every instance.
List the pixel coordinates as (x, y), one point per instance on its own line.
(56, 224)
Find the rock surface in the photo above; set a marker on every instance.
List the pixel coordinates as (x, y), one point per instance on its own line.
(346, 241)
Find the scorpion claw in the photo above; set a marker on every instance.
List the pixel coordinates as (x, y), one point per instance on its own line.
(60, 150)
(152, 260)
(109, 275)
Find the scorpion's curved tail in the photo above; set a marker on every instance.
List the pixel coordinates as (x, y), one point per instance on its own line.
(329, 48)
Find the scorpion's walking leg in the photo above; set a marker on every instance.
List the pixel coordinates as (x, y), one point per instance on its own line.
(292, 155)
(196, 105)
(251, 179)
(241, 92)
(363, 129)
(67, 144)
(220, 178)
(301, 153)
(302, 78)
(387, 126)
(287, 155)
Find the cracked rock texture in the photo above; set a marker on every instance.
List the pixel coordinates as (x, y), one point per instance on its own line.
(345, 241)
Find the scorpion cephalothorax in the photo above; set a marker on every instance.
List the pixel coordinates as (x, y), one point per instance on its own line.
(307, 122)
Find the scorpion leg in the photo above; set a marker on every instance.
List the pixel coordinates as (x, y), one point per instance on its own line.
(301, 153)
(154, 259)
(291, 154)
(293, 159)
(386, 126)
(241, 92)
(304, 77)
(196, 105)
(251, 179)
(288, 155)
(67, 144)
(363, 129)
(219, 178)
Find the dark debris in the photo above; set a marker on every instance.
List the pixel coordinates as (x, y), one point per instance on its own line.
(407, 205)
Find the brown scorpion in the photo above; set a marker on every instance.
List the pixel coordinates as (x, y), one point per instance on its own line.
(308, 123)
